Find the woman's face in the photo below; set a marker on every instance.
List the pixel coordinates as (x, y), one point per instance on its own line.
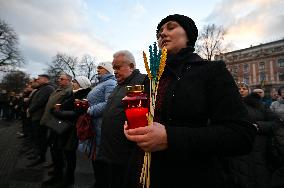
(172, 36)
(101, 71)
(75, 85)
(243, 91)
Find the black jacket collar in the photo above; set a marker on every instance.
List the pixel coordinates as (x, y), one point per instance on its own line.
(177, 63)
(129, 78)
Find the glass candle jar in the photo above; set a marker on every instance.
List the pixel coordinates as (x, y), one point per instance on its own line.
(83, 104)
(136, 106)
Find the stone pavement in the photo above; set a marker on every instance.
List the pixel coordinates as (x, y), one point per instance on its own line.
(13, 170)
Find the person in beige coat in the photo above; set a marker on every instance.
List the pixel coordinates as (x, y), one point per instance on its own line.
(62, 93)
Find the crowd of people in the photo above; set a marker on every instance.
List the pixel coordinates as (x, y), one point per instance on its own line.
(208, 130)
(11, 105)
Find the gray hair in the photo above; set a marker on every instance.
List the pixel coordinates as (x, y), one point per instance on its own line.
(69, 77)
(127, 55)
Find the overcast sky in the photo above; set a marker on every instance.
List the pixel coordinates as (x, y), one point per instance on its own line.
(100, 28)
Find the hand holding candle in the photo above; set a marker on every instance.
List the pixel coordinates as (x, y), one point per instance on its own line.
(149, 138)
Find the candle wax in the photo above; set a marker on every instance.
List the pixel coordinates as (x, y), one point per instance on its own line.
(136, 117)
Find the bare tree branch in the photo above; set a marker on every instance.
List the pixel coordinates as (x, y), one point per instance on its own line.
(71, 65)
(9, 53)
(211, 41)
(88, 67)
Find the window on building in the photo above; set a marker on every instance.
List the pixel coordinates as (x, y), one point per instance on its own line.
(277, 49)
(261, 66)
(262, 76)
(246, 68)
(246, 78)
(281, 76)
(235, 78)
(281, 63)
(235, 69)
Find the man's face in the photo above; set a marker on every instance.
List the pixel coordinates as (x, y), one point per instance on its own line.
(42, 80)
(34, 84)
(122, 69)
(260, 93)
(274, 94)
(63, 80)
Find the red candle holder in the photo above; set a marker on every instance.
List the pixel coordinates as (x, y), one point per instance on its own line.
(136, 106)
(83, 104)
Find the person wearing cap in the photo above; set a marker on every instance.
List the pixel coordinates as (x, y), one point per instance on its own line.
(36, 110)
(68, 142)
(97, 99)
(199, 115)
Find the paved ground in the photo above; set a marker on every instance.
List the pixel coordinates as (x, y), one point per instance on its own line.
(13, 170)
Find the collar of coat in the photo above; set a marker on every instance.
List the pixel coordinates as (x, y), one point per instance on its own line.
(177, 63)
(106, 77)
(129, 78)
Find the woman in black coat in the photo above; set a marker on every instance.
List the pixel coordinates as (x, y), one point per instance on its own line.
(199, 116)
(253, 170)
(68, 141)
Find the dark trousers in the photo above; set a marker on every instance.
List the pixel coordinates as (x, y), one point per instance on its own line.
(277, 180)
(70, 157)
(40, 138)
(56, 155)
(26, 123)
(109, 175)
(62, 158)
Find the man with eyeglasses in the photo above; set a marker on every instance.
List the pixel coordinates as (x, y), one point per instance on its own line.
(63, 92)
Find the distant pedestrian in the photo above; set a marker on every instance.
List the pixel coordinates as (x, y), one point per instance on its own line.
(4, 103)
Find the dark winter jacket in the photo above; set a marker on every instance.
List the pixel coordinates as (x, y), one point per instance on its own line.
(68, 140)
(205, 120)
(253, 170)
(39, 100)
(115, 148)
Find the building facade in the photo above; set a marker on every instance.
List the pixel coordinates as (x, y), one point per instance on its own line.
(259, 66)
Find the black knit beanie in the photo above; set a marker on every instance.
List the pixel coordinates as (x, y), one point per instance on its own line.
(186, 23)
